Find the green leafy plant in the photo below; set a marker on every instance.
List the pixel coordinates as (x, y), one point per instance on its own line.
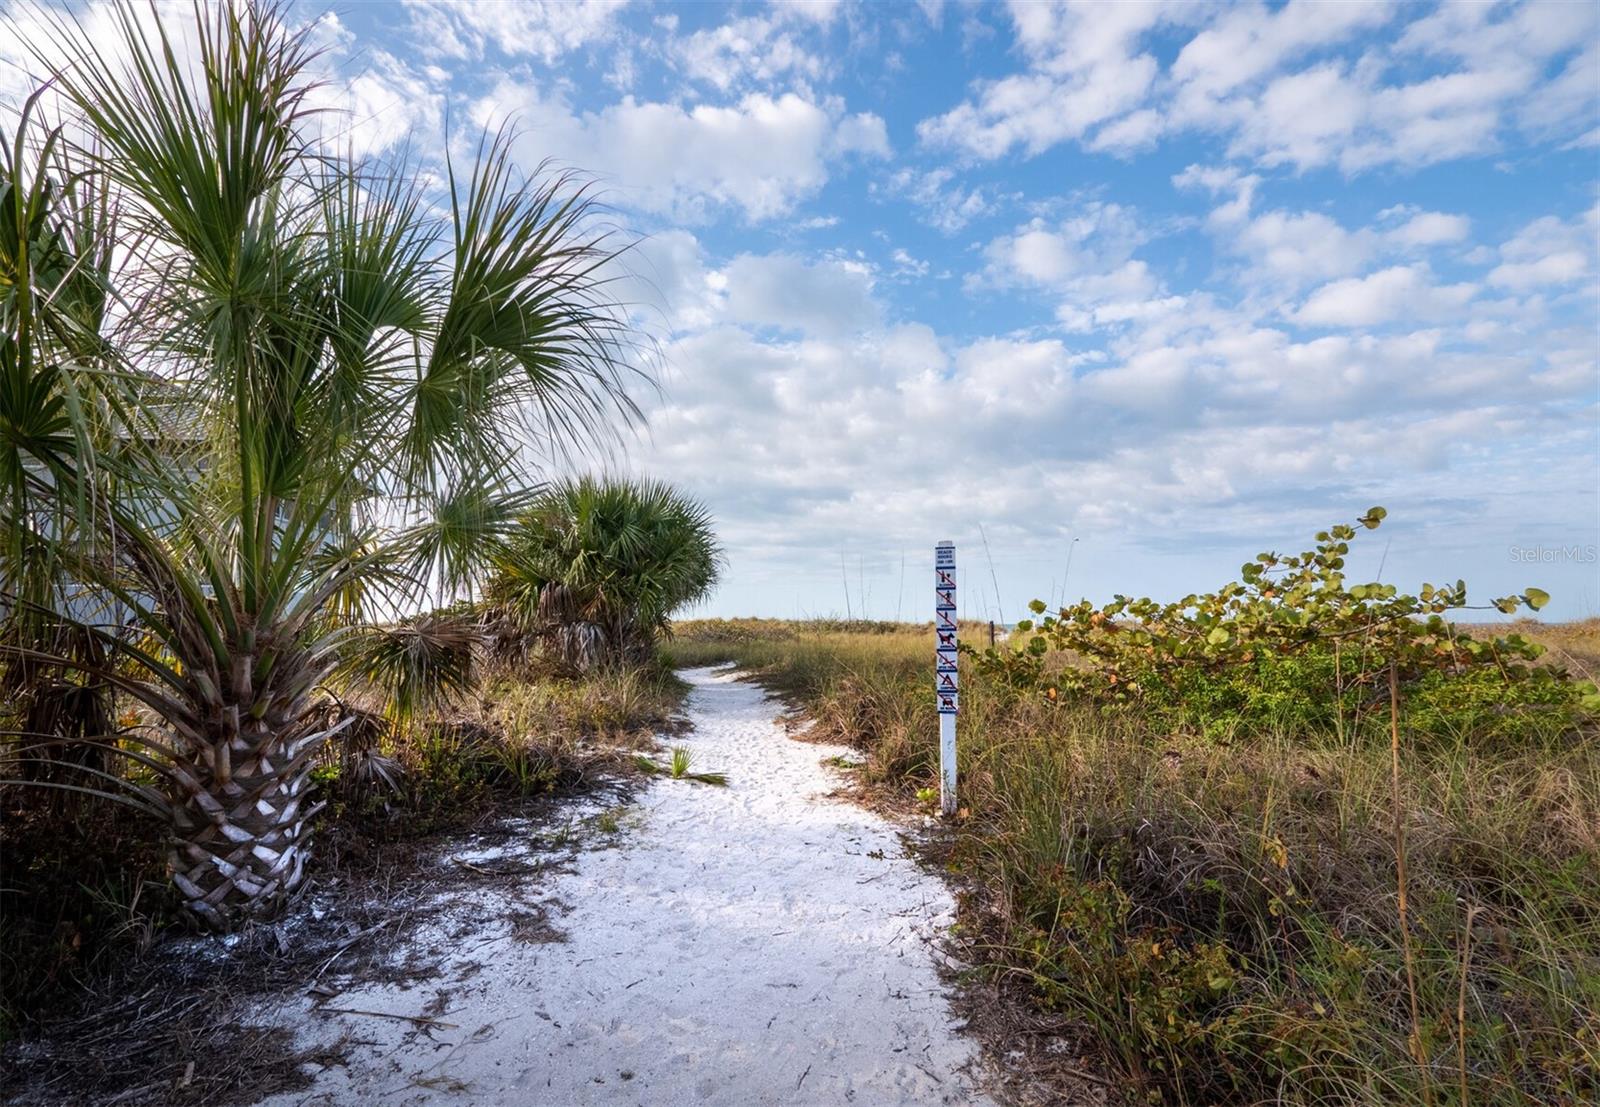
(345, 380)
(596, 568)
(1292, 642)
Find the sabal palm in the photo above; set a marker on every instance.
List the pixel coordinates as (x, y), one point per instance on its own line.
(357, 382)
(599, 566)
(60, 400)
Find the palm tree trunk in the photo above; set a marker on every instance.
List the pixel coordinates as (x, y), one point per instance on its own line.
(242, 818)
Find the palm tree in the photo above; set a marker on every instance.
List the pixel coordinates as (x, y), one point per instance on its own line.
(365, 379)
(597, 567)
(57, 401)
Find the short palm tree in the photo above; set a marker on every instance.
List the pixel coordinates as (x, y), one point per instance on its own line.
(351, 386)
(597, 567)
(56, 400)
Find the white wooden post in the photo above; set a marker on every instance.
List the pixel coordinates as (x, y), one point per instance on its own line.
(947, 682)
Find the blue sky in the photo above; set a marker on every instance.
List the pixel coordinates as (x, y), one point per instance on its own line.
(1180, 282)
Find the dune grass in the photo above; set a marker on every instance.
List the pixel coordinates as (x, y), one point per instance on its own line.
(1219, 912)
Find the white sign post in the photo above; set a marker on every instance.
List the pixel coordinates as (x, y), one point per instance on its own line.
(947, 681)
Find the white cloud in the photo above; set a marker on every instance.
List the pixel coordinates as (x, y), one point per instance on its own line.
(1402, 292)
(1135, 131)
(1085, 70)
(365, 101)
(669, 276)
(1301, 246)
(761, 155)
(946, 205)
(1100, 368)
(905, 265)
(1222, 179)
(1301, 118)
(1431, 228)
(862, 133)
(545, 29)
(746, 52)
(1289, 86)
(1548, 251)
(379, 107)
(1252, 41)
(820, 12)
(1226, 416)
(828, 299)
(1570, 101)
(665, 276)
(1087, 255)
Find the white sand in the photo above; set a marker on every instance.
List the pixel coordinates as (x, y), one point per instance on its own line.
(744, 945)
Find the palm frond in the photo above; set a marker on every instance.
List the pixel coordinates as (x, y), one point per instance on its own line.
(413, 665)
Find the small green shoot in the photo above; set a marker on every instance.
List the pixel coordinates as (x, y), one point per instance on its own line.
(680, 762)
(679, 768)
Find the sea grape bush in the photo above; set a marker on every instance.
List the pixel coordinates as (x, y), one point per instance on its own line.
(1292, 642)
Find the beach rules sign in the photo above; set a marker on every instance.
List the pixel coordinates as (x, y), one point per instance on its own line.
(946, 679)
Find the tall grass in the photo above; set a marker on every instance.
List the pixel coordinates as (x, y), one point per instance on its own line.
(1220, 911)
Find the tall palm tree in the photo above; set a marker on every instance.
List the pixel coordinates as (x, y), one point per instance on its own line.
(353, 386)
(597, 567)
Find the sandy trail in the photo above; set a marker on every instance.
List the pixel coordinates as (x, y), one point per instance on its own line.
(751, 944)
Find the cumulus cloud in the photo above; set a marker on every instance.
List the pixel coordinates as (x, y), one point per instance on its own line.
(945, 204)
(1230, 347)
(1222, 179)
(1085, 69)
(1431, 228)
(545, 29)
(1094, 239)
(1291, 86)
(1295, 247)
(746, 52)
(1548, 251)
(1191, 407)
(365, 101)
(830, 298)
(1400, 292)
(1251, 41)
(761, 155)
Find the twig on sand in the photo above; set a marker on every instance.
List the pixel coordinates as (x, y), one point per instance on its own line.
(415, 1020)
(493, 872)
(1071, 1070)
(354, 938)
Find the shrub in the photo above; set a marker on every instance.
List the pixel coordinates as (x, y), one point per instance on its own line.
(1292, 643)
(598, 567)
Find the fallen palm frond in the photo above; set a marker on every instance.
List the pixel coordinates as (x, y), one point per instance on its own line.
(679, 768)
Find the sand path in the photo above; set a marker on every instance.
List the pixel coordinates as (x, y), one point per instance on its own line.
(755, 944)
